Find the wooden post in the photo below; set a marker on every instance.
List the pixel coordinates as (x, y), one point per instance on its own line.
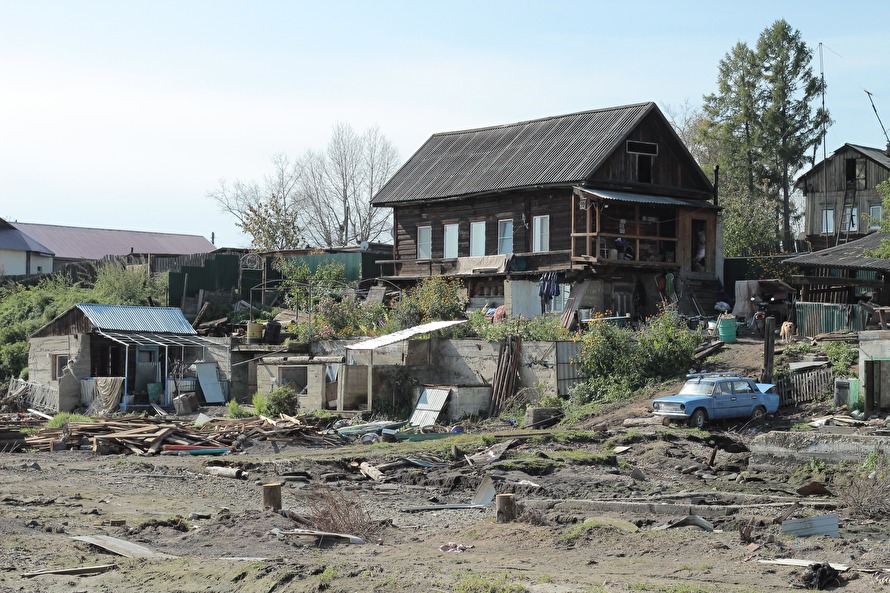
(272, 496)
(505, 505)
(769, 345)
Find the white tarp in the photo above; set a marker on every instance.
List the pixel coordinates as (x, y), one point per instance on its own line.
(404, 334)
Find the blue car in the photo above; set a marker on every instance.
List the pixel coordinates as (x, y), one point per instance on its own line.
(710, 396)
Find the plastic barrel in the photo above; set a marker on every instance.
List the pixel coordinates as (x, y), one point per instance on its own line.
(254, 332)
(726, 327)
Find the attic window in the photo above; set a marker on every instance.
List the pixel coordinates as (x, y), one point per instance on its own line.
(636, 147)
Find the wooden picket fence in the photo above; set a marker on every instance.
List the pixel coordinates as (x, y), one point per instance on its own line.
(807, 386)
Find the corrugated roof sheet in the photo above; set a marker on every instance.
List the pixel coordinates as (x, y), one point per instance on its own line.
(429, 406)
(619, 196)
(68, 242)
(137, 319)
(854, 254)
(404, 334)
(554, 150)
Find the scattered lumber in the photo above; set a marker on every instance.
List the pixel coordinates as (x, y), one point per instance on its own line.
(156, 435)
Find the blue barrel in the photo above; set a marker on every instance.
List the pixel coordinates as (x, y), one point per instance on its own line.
(726, 327)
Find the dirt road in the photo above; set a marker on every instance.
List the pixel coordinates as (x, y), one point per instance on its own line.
(592, 517)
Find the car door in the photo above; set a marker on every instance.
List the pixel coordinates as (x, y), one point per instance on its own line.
(724, 400)
(747, 397)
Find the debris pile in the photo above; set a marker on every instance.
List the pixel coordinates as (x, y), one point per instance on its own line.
(151, 436)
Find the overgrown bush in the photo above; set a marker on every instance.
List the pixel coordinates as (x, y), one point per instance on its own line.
(283, 400)
(545, 329)
(120, 285)
(841, 356)
(618, 361)
(433, 299)
(64, 418)
(236, 410)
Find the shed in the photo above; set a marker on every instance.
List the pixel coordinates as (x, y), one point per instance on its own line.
(124, 354)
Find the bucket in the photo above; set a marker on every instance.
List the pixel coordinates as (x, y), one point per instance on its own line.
(726, 327)
(254, 332)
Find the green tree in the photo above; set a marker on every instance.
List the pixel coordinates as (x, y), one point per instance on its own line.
(883, 250)
(791, 124)
(120, 285)
(763, 121)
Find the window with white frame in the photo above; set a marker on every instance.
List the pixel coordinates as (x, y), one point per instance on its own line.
(505, 236)
(477, 238)
(827, 221)
(541, 233)
(424, 242)
(450, 251)
(874, 217)
(851, 220)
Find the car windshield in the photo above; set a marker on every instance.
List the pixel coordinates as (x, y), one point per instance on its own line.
(697, 388)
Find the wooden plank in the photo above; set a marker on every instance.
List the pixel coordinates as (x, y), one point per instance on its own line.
(804, 563)
(99, 568)
(155, 445)
(121, 547)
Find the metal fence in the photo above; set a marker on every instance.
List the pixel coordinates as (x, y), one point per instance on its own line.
(806, 386)
(567, 372)
(823, 318)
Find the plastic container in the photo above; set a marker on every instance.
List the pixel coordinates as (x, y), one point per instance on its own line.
(254, 332)
(726, 329)
(155, 392)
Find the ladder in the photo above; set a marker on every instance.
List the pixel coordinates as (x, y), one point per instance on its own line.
(846, 219)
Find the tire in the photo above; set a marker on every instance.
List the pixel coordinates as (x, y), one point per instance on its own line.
(758, 413)
(699, 418)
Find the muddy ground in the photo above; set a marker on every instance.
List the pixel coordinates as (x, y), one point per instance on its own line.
(590, 518)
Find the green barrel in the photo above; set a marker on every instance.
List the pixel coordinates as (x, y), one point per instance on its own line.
(726, 327)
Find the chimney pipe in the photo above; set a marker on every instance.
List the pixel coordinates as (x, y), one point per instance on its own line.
(716, 183)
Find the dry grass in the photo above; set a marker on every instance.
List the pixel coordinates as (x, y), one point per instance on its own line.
(866, 493)
(338, 511)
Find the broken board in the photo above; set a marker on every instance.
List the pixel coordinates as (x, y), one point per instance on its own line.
(121, 547)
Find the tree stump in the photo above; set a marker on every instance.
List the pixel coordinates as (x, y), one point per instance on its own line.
(505, 505)
(272, 496)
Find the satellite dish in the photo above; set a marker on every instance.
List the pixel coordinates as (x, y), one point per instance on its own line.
(364, 245)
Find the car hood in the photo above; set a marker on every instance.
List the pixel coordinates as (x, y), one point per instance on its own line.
(765, 387)
(680, 399)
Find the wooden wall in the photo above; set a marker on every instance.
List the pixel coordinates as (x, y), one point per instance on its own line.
(555, 202)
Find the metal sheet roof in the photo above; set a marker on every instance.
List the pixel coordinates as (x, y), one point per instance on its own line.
(619, 196)
(555, 150)
(875, 154)
(122, 318)
(404, 334)
(68, 242)
(13, 239)
(852, 255)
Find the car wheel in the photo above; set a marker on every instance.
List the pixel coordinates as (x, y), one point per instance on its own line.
(698, 419)
(758, 413)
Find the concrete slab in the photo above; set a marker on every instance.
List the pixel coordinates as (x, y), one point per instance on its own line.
(794, 448)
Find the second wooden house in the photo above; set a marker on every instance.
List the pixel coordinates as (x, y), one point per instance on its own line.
(603, 210)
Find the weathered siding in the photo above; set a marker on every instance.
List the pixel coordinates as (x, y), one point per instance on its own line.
(40, 364)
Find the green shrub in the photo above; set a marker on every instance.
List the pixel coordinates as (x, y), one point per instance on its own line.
(432, 299)
(236, 410)
(64, 418)
(283, 400)
(841, 356)
(546, 328)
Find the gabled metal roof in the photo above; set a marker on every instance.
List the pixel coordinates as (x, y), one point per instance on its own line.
(875, 154)
(853, 255)
(13, 239)
(123, 318)
(68, 242)
(551, 151)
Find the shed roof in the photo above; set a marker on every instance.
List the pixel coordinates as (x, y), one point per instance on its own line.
(852, 255)
(558, 150)
(404, 334)
(125, 318)
(620, 196)
(68, 242)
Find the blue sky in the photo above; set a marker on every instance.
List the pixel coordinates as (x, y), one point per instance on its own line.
(123, 114)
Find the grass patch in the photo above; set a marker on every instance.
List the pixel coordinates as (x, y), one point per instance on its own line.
(669, 588)
(581, 530)
(578, 457)
(64, 418)
(528, 463)
(474, 582)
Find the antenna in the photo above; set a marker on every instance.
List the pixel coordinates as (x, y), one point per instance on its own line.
(883, 129)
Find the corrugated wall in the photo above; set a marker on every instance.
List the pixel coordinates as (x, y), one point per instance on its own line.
(820, 318)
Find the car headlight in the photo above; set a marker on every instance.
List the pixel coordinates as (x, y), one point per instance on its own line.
(683, 407)
(655, 405)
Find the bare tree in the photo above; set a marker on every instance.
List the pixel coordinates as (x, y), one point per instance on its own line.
(270, 211)
(338, 184)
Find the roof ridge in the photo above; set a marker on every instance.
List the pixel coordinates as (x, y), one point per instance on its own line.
(540, 119)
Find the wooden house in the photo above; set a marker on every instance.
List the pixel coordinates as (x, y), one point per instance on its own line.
(841, 201)
(606, 206)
